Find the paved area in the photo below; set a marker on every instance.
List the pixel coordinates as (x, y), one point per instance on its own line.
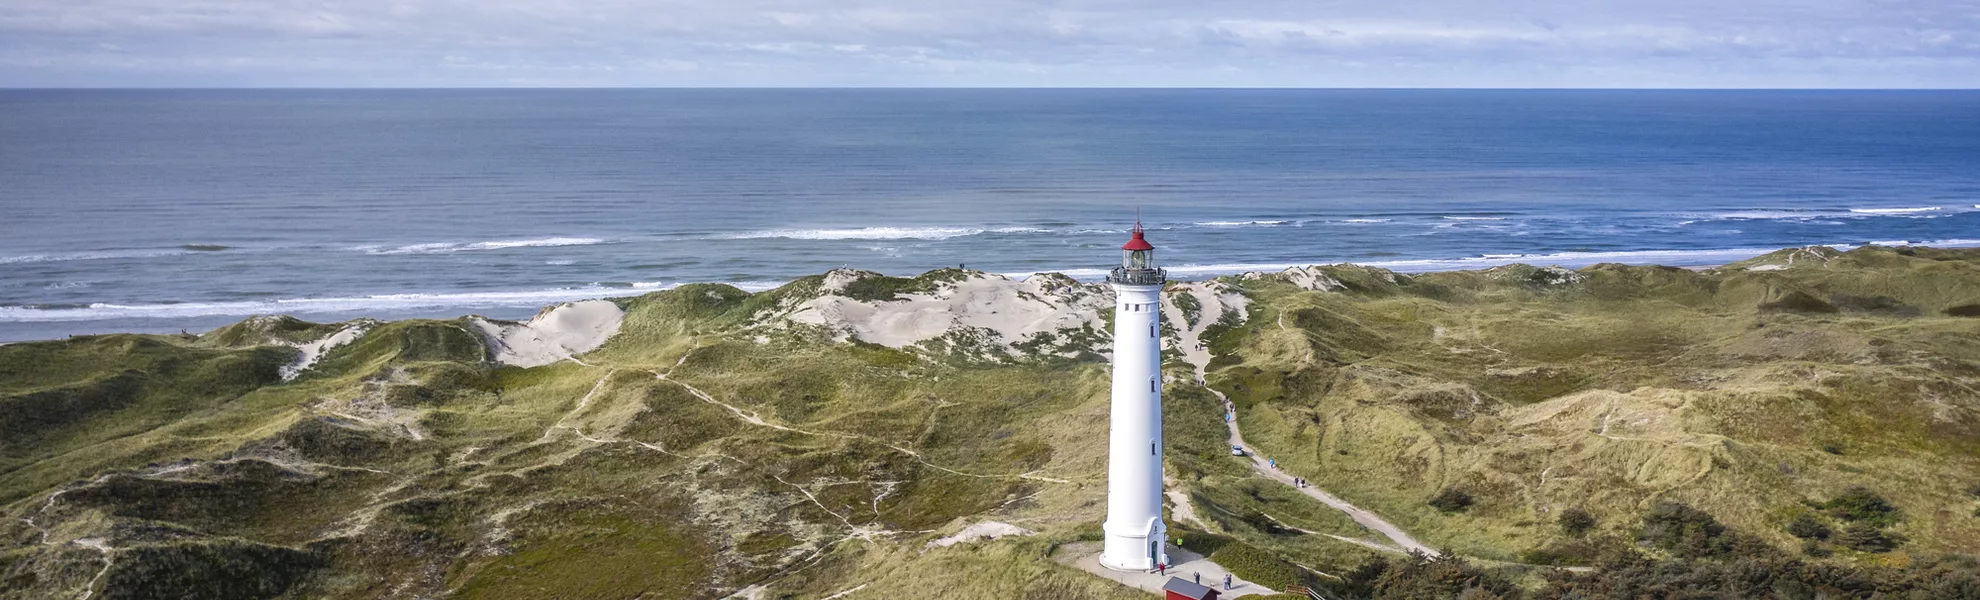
(1085, 556)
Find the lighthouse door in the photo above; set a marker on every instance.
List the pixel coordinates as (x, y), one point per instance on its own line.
(1152, 551)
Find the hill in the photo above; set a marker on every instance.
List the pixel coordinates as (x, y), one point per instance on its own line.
(820, 438)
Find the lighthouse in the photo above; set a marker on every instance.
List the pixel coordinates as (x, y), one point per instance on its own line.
(1135, 534)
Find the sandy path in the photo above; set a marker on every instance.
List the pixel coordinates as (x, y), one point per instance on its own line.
(1362, 516)
(1198, 356)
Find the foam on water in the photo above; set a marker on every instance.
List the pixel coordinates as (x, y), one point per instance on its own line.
(305, 306)
(1894, 211)
(98, 255)
(447, 247)
(532, 298)
(1238, 223)
(861, 233)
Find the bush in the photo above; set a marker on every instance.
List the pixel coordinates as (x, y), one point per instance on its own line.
(1864, 537)
(1451, 500)
(1417, 576)
(1691, 533)
(1808, 527)
(1256, 566)
(1566, 553)
(1814, 549)
(1861, 505)
(1765, 577)
(1576, 522)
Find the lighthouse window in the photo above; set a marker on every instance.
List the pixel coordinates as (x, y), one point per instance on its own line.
(1151, 331)
(1151, 385)
(1151, 447)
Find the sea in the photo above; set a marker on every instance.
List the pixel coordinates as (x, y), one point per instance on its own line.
(183, 210)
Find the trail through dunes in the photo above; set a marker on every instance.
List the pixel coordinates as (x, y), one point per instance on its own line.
(1194, 351)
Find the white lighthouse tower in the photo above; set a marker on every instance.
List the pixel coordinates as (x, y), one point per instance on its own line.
(1135, 533)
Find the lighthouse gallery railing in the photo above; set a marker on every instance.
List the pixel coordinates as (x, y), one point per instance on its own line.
(1124, 275)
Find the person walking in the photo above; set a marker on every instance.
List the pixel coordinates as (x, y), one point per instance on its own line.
(1162, 569)
(1227, 582)
(1196, 576)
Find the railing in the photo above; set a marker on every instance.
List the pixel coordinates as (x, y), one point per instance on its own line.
(1124, 275)
(1300, 590)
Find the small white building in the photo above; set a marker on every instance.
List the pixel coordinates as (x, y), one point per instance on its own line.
(1135, 535)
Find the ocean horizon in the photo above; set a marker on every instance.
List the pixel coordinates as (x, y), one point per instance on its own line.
(169, 210)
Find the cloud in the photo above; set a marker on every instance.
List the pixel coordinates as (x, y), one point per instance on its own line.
(1518, 43)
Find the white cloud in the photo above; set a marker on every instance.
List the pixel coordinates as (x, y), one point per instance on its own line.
(1600, 43)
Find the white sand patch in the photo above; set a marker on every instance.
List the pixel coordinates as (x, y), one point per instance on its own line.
(314, 350)
(1307, 278)
(987, 530)
(553, 335)
(837, 279)
(754, 592)
(1215, 302)
(1012, 311)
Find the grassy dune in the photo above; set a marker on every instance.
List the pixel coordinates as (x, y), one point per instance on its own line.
(705, 450)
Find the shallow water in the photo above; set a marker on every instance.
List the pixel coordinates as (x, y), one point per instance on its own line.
(163, 210)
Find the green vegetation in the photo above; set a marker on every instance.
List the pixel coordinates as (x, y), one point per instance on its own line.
(1576, 522)
(1808, 527)
(1451, 500)
(1797, 426)
(1256, 566)
(1859, 504)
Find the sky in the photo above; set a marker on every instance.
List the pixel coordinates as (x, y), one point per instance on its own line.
(991, 43)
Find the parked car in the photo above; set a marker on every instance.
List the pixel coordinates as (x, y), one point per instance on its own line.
(1237, 450)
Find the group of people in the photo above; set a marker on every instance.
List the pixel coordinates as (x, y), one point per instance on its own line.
(1297, 481)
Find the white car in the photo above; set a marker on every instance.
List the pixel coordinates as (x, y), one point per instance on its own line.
(1237, 450)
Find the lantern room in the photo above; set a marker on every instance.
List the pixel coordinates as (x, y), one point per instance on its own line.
(1137, 263)
(1137, 254)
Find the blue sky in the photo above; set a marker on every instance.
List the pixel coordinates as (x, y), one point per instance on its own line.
(1163, 43)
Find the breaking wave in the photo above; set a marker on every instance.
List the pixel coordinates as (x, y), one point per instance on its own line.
(862, 233)
(1893, 211)
(1239, 223)
(102, 255)
(447, 247)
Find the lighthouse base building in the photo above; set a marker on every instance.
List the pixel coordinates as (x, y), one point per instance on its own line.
(1135, 534)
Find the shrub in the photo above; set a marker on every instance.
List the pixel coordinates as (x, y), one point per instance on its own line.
(1864, 537)
(1814, 549)
(1808, 527)
(1691, 533)
(1861, 505)
(1256, 566)
(1576, 522)
(1451, 500)
(1417, 576)
(1765, 577)
(1566, 553)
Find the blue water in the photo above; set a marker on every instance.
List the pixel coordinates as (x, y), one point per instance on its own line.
(169, 210)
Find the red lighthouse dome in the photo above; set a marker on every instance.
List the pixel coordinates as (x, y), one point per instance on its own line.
(1137, 242)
